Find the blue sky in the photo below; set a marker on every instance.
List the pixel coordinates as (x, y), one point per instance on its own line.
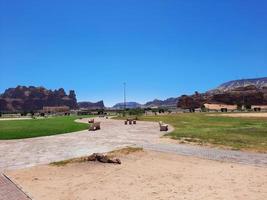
(161, 48)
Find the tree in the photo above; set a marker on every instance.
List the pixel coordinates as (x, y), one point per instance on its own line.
(136, 111)
(247, 106)
(239, 106)
(32, 113)
(203, 108)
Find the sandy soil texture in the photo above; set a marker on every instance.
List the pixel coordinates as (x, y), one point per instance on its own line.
(145, 175)
(264, 115)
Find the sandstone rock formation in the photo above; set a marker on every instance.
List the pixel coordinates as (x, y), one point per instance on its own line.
(26, 99)
(245, 92)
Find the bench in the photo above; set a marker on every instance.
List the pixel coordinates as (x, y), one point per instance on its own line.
(131, 121)
(163, 127)
(91, 121)
(95, 126)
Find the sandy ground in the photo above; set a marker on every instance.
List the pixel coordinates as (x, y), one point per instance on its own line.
(145, 175)
(242, 115)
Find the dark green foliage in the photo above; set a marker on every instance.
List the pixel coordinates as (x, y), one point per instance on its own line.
(136, 111)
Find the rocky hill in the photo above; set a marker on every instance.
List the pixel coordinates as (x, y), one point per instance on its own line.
(32, 98)
(162, 103)
(91, 105)
(256, 83)
(239, 92)
(128, 105)
(155, 103)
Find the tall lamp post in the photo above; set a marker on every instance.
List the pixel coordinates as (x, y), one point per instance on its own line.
(124, 104)
(124, 88)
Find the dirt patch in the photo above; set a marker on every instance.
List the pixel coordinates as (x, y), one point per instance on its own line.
(111, 154)
(124, 151)
(251, 115)
(199, 142)
(145, 175)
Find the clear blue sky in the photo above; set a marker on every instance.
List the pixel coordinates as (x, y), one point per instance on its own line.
(161, 48)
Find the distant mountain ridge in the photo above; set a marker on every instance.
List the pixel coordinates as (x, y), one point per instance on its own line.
(258, 83)
(128, 105)
(252, 91)
(170, 102)
(244, 91)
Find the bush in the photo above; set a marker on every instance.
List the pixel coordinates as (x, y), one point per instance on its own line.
(248, 107)
(203, 108)
(32, 113)
(24, 113)
(136, 111)
(239, 106)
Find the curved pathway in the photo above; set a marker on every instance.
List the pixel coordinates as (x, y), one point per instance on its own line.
(113, 134)
(41, 150)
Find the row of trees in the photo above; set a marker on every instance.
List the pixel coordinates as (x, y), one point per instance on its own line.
(141, 111)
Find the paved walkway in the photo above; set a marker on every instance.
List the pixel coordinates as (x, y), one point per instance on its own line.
(256, 159)
(9, 191)
(113, 134)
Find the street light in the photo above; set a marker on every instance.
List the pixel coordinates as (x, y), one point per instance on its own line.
(124, 88)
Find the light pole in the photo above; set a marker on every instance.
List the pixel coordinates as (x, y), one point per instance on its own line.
(124, 88)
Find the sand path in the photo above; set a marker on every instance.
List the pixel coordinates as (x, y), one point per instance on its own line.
(145, 175)
(250, 115)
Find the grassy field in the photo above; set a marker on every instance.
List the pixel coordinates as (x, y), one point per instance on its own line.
(18, 129)
(236, 133)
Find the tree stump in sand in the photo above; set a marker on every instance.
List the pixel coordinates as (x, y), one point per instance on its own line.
(103, 158)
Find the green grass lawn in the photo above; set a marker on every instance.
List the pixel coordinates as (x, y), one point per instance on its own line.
(237, 133)
(18, 129)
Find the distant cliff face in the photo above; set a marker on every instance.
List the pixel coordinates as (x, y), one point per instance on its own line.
(253, 84)
(32, 98)
(90, 105)
(128, 105)
(242, 92)
(193, 101)
(162, 103)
